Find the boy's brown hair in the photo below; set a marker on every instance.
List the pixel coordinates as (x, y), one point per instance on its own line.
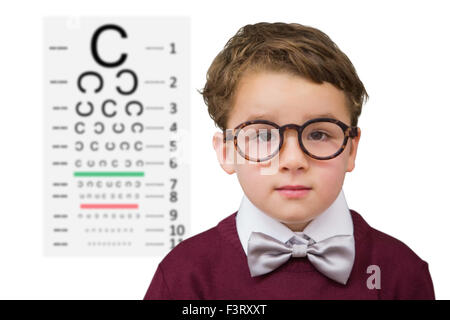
(281, 47)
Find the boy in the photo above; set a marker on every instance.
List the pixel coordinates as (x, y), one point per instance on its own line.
(288, 101)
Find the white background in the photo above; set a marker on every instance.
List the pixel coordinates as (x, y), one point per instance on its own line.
(400, 184)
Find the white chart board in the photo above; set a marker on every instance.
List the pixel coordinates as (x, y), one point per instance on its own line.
(116, 132)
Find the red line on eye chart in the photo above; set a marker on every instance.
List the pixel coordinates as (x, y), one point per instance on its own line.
(109, 206)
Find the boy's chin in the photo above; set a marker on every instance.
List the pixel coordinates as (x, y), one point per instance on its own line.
(295, 221)
(297, 226)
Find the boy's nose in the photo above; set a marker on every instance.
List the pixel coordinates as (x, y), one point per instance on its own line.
(291, 155)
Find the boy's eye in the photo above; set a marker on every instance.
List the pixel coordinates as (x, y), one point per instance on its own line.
(318, 135)
(265, 135)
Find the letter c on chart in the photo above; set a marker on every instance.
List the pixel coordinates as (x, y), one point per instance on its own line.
(94, 45)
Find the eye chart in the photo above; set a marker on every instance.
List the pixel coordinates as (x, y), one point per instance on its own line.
(116, 124)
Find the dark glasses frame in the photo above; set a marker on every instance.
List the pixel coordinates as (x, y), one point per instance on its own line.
(349, 132)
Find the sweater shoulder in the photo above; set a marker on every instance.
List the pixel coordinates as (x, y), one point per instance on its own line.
(192, 248)
(186, 271)
(384, 247)
(395, 248)
(198, 250)
(404, 275)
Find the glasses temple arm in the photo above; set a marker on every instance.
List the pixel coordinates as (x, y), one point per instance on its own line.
(227, 135)
(352, 132)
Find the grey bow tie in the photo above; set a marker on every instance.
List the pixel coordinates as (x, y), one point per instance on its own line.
(333, 257)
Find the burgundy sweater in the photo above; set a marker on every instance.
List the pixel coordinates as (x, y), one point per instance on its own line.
(213, 265)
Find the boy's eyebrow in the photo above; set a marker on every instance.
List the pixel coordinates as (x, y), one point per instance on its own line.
(307, 117)
(258, 117)
(321, 115)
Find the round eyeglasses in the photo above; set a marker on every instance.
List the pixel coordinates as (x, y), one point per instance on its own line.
(319, 138)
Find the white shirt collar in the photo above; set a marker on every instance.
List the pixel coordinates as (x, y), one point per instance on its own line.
(336, 220)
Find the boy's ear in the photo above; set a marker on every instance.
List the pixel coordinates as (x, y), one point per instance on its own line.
(353, 149)
(224, 155)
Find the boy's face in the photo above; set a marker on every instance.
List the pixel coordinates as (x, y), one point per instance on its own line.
(283, 99)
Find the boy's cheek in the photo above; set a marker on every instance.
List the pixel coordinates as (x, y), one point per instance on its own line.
(250, 176)
(330, 180)
(257, 171)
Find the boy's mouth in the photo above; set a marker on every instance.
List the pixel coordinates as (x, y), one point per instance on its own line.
(293, 192)
(296, 187)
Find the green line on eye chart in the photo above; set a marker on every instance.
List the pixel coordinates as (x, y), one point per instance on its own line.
(108, 174)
